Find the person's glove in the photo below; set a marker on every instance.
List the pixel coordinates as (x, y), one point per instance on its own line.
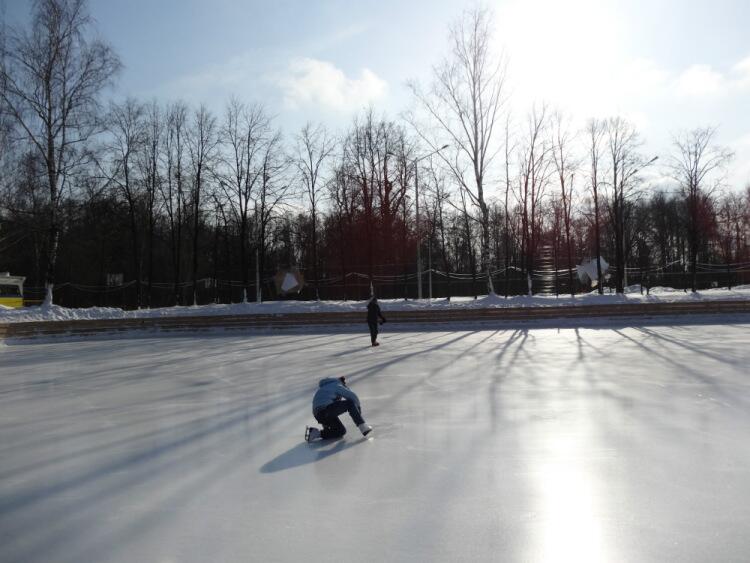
(382, 321)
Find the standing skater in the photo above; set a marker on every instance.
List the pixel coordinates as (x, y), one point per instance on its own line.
(373, 312)
(334, 398)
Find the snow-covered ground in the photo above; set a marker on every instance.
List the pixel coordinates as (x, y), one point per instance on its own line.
(599, 444)
(632, 295)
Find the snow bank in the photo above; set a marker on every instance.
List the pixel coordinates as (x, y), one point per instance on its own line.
(632, 295)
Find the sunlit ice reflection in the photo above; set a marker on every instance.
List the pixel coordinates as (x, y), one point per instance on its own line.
(570, 524)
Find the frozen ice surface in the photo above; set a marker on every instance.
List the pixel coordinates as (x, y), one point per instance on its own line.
(601, 444)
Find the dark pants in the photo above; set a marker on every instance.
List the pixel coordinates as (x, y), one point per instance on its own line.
(329, 418)
(373, 330)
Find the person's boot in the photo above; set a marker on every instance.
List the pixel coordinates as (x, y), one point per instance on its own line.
(376, 344)
(311, 433)
(365, 428)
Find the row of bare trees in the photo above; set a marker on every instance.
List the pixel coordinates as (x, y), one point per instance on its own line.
(180, 163)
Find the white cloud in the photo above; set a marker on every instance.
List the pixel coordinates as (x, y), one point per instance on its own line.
(739, 175)
(312, 82)
(214, 84)
(742, 67)
(741, 72)
(701, 81)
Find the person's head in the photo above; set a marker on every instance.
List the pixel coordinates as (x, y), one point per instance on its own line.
(342, 379)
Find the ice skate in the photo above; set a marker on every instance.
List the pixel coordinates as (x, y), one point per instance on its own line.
(365, 428)
(311, 433)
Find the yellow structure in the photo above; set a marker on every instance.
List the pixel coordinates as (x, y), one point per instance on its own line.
(11, 290)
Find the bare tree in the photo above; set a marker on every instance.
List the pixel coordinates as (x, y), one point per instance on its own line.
(273, 191)
(126, 128)
(368, 149)
(466, 226)
(363, 159)
(202, 142)
(314, 147)
(441, 197)
(506, 210)
(535, 161)
(694, 167)
(244, 133)
(595, 132)
(465, 104)
(344, 203)
(405, 171)
(173, 190)
(733, 219)
(23, 202)
(52, 76)
(151, 174)
(625, 161)
(566, 167)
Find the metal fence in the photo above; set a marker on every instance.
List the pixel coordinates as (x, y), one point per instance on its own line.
(357, 286)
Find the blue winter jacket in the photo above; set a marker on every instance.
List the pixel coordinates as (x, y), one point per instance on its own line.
(331, 390)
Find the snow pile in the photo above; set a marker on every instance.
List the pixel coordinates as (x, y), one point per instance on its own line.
(632, 295)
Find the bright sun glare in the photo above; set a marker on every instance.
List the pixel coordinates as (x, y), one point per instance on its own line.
(563, 53)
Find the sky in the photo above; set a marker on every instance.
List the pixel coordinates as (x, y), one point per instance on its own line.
(667, 65)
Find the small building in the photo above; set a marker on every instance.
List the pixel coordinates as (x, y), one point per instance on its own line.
(11, 290)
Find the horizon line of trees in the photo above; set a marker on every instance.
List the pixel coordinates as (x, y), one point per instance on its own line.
(168, 193)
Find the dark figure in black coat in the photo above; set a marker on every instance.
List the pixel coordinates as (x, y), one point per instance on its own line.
(373, 312)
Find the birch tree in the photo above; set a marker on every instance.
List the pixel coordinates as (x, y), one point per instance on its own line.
(463, 106)
(52, 76)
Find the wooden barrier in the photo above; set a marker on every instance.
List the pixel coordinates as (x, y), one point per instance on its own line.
(302, 320)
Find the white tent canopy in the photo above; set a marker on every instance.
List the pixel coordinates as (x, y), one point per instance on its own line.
(587, 271)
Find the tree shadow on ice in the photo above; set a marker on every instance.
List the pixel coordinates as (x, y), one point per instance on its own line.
(305, 453)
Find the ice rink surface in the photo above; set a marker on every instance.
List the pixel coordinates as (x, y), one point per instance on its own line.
(612, 443)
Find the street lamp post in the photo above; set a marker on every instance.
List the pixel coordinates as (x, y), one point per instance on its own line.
(429, 265)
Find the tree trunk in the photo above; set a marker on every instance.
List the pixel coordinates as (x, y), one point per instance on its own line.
(196, 226)
(597, 241)
(486, 265)
(315, 254)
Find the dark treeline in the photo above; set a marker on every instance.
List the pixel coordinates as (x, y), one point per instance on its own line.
(152, 203)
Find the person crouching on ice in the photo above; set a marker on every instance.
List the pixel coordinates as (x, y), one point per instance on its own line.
(334, 398)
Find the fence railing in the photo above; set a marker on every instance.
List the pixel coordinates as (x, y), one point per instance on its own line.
(357, 286)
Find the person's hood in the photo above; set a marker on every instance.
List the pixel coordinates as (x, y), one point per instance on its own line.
(327, 381)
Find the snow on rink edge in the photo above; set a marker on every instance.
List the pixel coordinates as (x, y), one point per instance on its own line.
(631, 296)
